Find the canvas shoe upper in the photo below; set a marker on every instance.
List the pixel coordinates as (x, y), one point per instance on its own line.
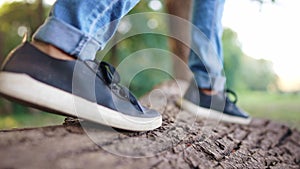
(217, 106)
(83, 89)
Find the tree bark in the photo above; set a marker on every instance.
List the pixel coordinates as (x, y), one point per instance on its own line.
(40, 17)
(180, 143)
(180, 8)
(1, 47)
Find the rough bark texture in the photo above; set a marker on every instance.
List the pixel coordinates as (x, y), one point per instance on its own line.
(181, 142)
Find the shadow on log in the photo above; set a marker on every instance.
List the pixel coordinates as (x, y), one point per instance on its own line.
(183, 141)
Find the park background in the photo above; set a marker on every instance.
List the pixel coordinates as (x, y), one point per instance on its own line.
(267, 86)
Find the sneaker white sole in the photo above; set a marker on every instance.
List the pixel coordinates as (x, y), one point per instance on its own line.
(210, 113)
(23, 88)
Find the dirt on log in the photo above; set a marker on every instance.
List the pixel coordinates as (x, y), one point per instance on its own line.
(183, 141)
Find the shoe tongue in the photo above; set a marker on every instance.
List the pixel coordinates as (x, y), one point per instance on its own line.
(95, 67)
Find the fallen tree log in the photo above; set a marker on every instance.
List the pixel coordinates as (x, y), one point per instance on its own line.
(183, 141)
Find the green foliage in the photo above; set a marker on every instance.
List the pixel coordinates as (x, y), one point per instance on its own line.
(232, 57)
(145, 80)
(29, 119)
(16, 16)
(243, 72)
(152, 77)
(258, 74)
(13, 17)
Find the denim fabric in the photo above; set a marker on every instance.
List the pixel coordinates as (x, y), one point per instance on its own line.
(81, 27)
(207, 66)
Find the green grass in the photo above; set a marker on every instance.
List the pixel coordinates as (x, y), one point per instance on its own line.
(26, 119)
(281, 107)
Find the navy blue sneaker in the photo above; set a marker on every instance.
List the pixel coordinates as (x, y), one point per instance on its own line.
(83, 89)
(217, 106)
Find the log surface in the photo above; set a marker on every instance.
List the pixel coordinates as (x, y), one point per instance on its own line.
(183, 141)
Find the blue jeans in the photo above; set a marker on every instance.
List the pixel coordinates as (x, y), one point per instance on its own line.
(79, 28)
(207, 66)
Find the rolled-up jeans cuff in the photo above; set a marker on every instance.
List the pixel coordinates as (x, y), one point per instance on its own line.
(204, 81)
(67, 38)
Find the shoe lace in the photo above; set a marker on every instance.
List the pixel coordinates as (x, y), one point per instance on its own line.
(228, 91)
(111, 77)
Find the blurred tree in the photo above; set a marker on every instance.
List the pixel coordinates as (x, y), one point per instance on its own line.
(232, 57)
(180, 8)
(16, 18)
(146, 22)
(19, 17)
(243, 72)
(258, 74)
(1, 45)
